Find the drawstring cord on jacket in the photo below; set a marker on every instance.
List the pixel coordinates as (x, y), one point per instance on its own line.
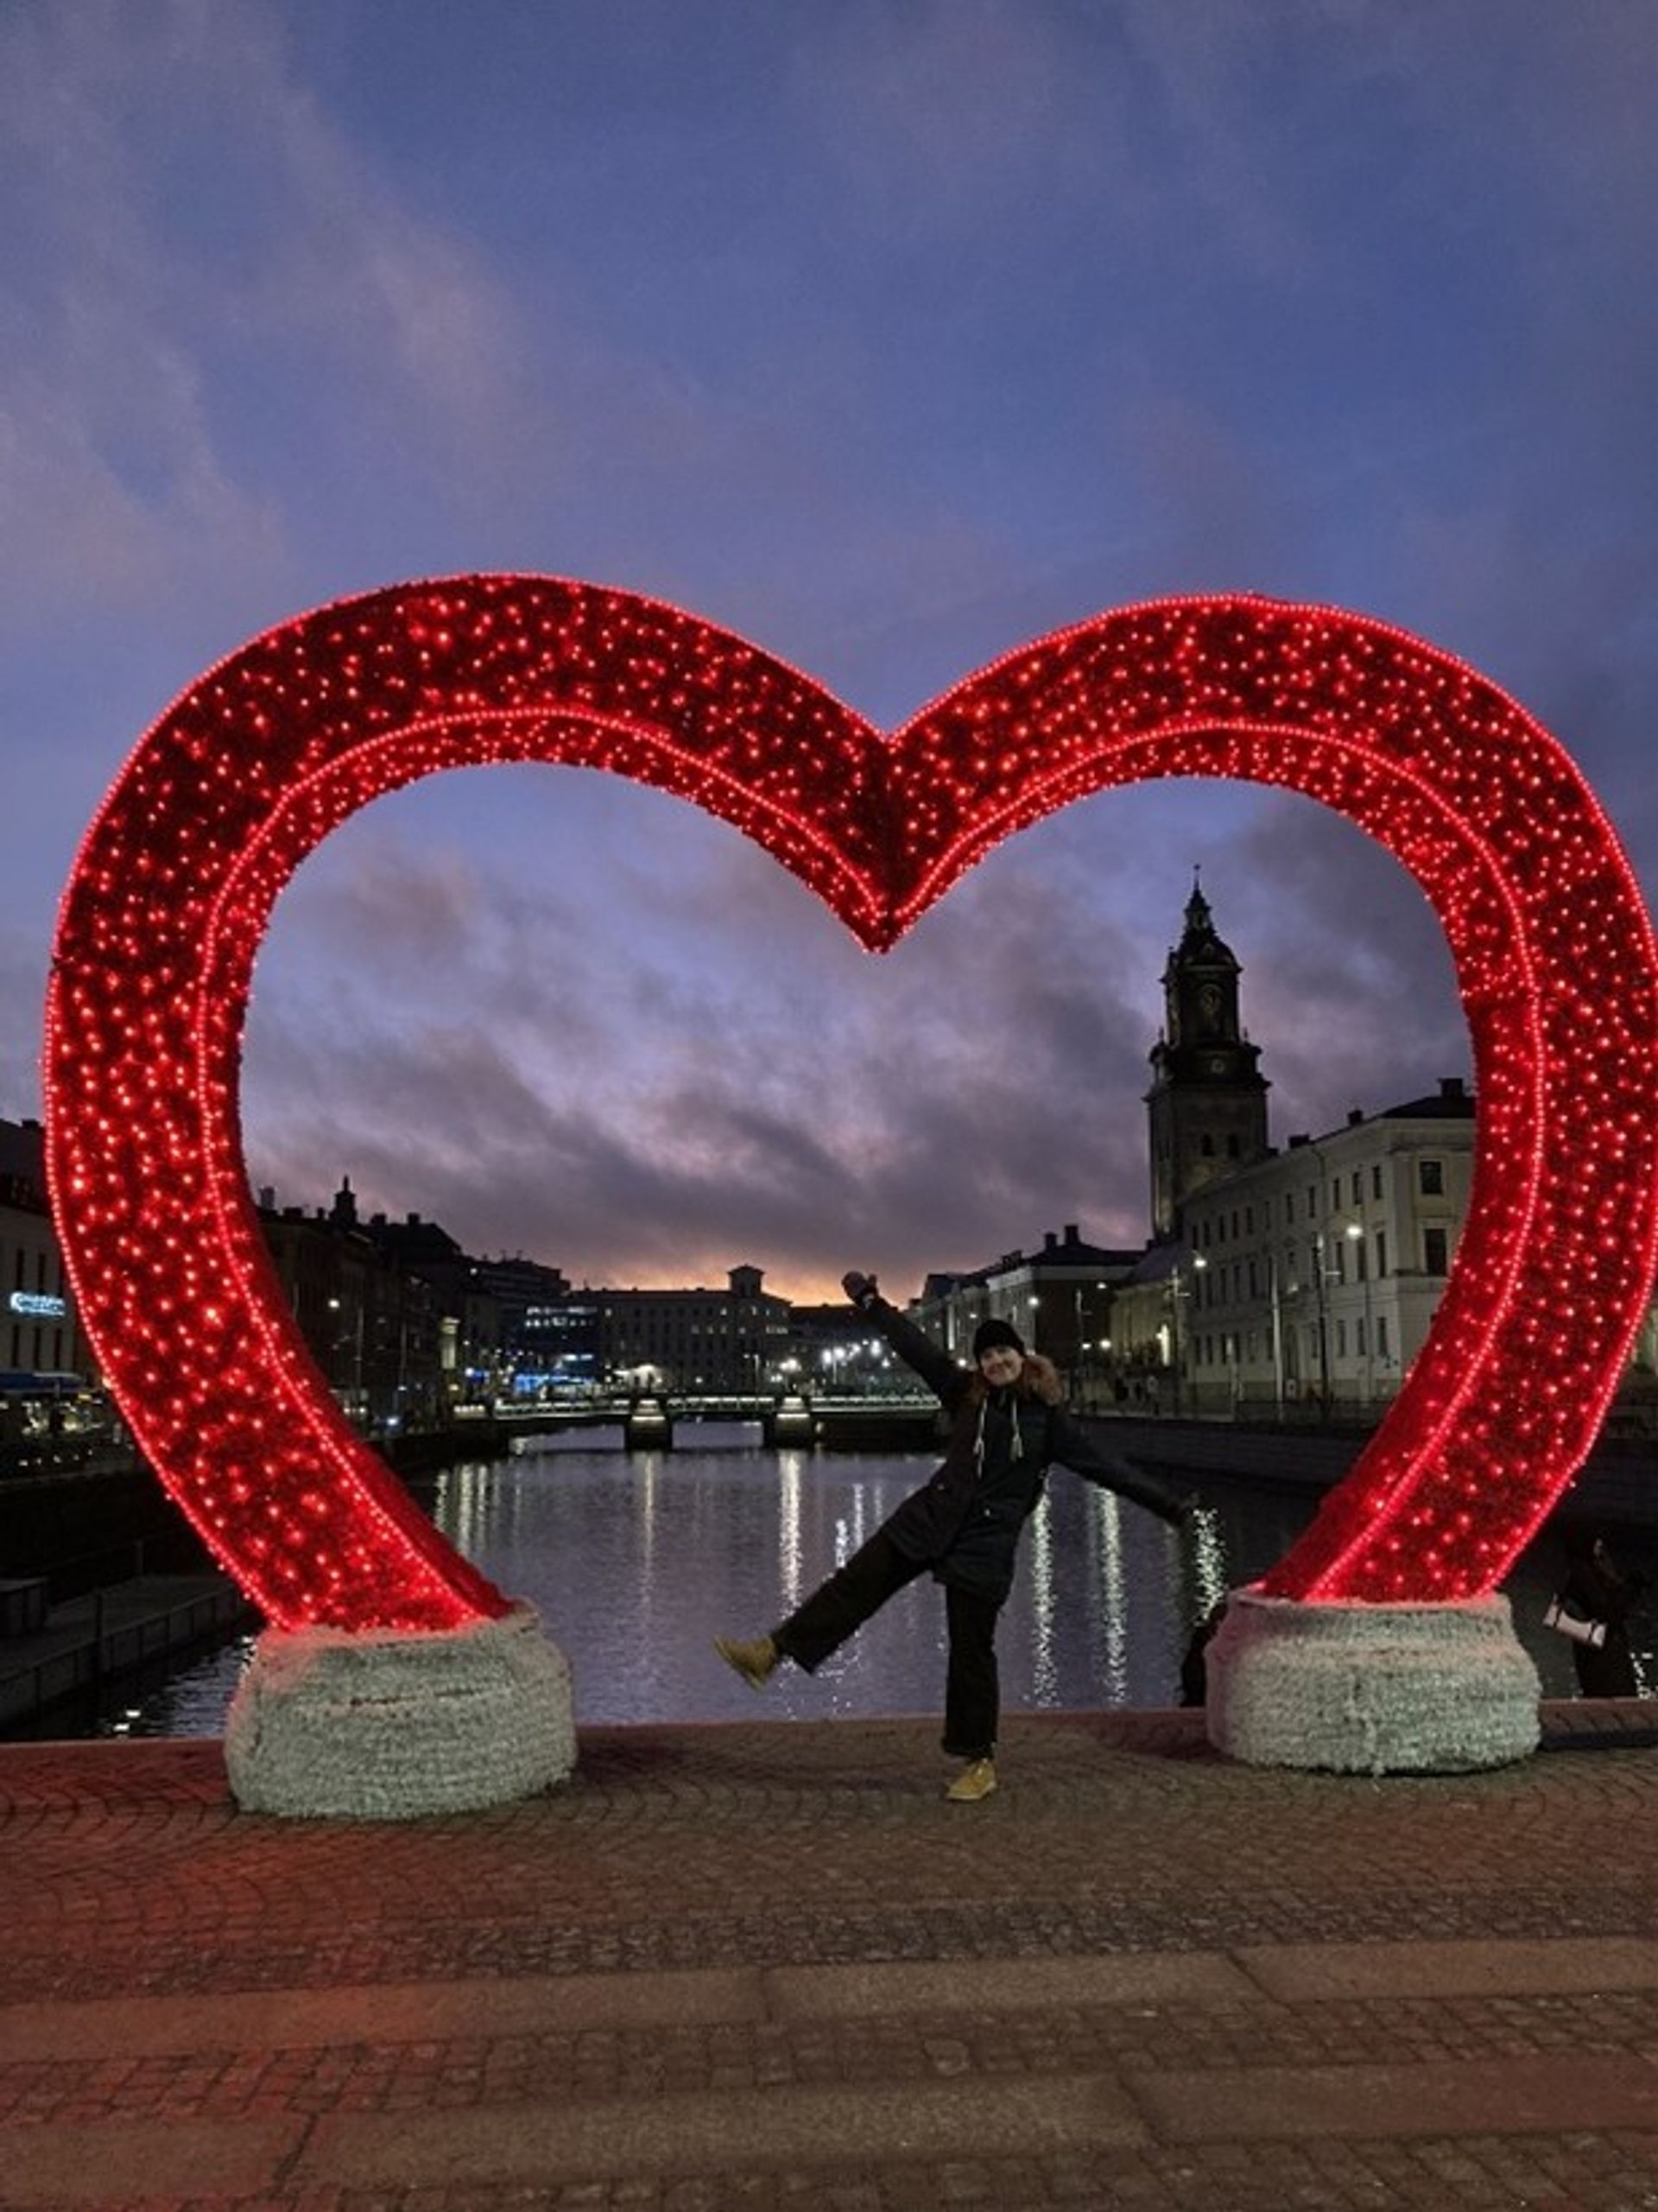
(1015, 1450)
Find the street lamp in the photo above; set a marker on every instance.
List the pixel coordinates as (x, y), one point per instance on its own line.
(1356, 1237)
(351, 1391)
(1321, 1274)
(1183, 1335)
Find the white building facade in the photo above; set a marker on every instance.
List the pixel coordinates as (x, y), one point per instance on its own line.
(1312, 1276)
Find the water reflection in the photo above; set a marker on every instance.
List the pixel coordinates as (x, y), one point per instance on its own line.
(635, 1562)
(1210, 1580)
(1111, 1637)
(790, 1578)
(1044, 1674)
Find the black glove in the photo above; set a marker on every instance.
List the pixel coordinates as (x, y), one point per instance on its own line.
(860, 1289)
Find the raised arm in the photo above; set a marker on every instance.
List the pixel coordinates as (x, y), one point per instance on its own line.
(1074, 1448)
(936, 1368)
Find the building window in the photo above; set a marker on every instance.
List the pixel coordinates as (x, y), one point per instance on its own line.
(1341, 1340)
(1341, 1260)
(1433, 1252)
(1255, 1281)
(1358, 1336)
(1361, 1259)
(1381, 1253)
(1430, 1178)
(1311, 1202)
(1376, 1179)
(1289, 1207)
(1381, 1334)
(1358, 1186)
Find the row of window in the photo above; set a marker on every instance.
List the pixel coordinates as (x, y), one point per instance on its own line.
(44, 1355)
(19, 1268)
(1234, 1281)
(1240, 1221)
(1252, 1346)
(666, 1325)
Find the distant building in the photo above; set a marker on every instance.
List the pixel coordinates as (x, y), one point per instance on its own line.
(467, 1320)
(733, 1340)
(833, 1347)
(1316, 1273)
(1207, 1109)
(371, 1323)
(40, 1327)
(1275, 1280)
(548, 1337)
(408, 1327)
(1059, 1297)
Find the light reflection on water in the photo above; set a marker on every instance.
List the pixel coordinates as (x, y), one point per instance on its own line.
(635, 1562)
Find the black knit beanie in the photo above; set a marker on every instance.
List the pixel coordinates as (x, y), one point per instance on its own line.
(990, 1333)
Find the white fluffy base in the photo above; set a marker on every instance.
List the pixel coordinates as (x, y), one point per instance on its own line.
(1370, 1689)
(382, 1726)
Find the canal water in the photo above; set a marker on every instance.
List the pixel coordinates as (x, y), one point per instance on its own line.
(636, 1562)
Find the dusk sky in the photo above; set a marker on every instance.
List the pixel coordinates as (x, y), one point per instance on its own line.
(889, 334)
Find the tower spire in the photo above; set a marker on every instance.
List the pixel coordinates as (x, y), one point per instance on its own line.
(1208, 1101)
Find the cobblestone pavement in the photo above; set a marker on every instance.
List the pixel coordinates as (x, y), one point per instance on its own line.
(766, 1965)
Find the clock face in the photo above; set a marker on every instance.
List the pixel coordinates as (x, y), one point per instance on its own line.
(1217, 1065)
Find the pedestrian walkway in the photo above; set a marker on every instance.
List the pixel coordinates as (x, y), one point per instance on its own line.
(109, 1633)
(766, 1965)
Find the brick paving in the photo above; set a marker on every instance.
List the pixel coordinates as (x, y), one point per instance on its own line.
(766, 1965)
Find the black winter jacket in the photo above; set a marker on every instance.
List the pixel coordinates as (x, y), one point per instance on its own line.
(964, 1522)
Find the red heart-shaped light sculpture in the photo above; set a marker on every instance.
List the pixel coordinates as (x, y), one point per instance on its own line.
(274, 748)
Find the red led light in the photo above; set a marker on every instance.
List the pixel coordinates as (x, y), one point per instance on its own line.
(267, 752)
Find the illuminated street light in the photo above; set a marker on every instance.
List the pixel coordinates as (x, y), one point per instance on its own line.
(1183, 1336)
(1355, 1237)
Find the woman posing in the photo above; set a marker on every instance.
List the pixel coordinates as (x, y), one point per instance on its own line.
(1007, 1425)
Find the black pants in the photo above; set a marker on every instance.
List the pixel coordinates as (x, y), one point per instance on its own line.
(876, 1572)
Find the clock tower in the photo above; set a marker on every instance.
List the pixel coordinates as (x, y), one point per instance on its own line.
(1207, 1104)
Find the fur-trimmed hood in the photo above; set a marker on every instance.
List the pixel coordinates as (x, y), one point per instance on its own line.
(1039, 1378)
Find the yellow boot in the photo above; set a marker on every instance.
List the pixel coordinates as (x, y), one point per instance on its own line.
(756, 1661)
(976, 1781)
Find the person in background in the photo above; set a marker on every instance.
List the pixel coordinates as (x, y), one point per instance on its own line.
(1008, 1424)
(1596, 1588)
